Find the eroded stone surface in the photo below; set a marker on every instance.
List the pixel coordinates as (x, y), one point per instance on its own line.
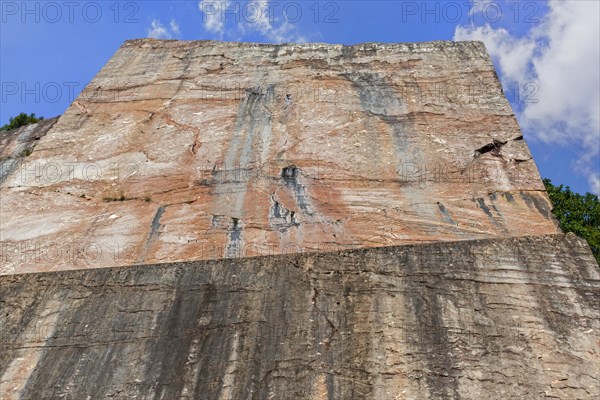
(491, 319)
(198, 150)
(17, 144)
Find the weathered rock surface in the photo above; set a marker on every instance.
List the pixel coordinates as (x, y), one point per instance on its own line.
(207, 153)
(514, 318)
(200, 150)
(17, 144)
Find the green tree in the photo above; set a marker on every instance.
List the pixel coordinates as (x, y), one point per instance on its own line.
(577, 213)
(21, 120)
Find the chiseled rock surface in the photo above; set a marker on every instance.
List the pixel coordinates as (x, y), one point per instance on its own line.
(513, 318)
(201, 150)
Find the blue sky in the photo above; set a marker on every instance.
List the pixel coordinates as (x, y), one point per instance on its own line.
(546, 53)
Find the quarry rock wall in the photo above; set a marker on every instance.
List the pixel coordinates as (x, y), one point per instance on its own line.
(513, 318)
(215, 220)
(178, 151)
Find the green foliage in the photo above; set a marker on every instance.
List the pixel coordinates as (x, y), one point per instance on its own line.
(26, 153)
(577, 213)
(21, 120)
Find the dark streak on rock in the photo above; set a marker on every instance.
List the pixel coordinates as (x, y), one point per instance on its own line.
(234, 245)
(430, 334)
(445, 214)
(153, 234)
(377, 97)
(509, 197)
(281, 218)
(484, 207)
(290, 175)
(537, 202)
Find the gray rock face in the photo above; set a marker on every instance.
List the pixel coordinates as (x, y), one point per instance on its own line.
(513, 318)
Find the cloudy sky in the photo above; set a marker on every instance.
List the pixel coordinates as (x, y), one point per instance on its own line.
(547, 53)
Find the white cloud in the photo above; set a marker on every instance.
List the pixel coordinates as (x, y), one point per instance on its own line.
(562, 55)
(213, 15)
(158, 31)
(262, 21)
(589, 165)
(253, 16)
(567, 71)
(174, 27)
(594, 181)
(512, 54)
(478, 6)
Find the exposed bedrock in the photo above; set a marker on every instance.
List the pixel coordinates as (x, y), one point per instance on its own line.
(513, 318)
(251, 149)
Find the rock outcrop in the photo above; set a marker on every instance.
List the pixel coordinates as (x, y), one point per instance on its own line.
(289, 222)
(200, 150)
(17, 144)
(502, 319)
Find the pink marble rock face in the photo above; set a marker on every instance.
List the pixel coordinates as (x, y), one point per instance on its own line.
(198, 150)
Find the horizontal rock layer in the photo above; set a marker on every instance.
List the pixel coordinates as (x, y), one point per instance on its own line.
(200, 150)
(512, 318)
